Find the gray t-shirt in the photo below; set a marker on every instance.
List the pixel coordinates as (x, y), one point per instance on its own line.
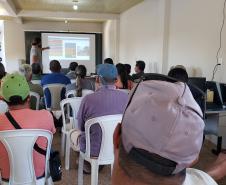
(35, 51)
(85, 83)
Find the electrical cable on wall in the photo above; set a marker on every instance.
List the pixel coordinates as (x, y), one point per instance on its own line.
(220, 47)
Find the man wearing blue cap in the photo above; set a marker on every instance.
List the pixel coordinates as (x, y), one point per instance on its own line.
(105, 101)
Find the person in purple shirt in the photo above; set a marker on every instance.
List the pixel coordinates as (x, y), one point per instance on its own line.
(54, 78)
(105, 101)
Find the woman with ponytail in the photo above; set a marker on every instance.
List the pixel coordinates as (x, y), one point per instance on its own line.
(81, 82)
(122, 80)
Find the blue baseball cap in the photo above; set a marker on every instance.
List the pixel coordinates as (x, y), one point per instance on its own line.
(108, 71)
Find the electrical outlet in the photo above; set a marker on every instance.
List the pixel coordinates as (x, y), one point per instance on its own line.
(220, 61)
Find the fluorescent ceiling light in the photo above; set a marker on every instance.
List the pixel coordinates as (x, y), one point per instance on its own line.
(75, 7)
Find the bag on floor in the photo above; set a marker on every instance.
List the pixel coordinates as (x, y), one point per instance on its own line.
(55, 167)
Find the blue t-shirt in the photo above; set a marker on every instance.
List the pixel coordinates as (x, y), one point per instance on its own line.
(54, 78)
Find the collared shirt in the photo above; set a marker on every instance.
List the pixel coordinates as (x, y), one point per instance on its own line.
(105, 101)
(54, 78)
(27, 119)
(197, 177)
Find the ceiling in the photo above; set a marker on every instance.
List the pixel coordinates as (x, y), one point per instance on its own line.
(94, 6)
(61, 10)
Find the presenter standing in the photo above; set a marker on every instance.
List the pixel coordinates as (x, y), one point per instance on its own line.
(36, 51)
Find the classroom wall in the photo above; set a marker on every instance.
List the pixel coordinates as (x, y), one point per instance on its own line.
(194, 36)
(2, 51)
(14, 45)
(141, 35)
(111, 40)
(165, 33)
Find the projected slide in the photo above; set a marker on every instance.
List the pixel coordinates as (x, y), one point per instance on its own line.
(69, 48)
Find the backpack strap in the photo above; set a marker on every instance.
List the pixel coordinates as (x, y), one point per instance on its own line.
(17, 126)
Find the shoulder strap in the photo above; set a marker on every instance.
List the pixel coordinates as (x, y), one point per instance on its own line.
(17, 126)
(12, 120)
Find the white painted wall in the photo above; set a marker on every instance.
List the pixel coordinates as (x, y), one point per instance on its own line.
(2, 52)
(194, 36)
(111, 40)
(14, 45)
(141, 35)
(171, 32)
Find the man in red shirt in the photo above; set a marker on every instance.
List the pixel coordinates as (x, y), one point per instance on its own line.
(15, 91)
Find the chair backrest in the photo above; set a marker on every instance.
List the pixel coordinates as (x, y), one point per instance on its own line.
(3, 107)
(36, 82)
(19, 146)
(74, 103)
(55, 92)
(72, 93)
(35, 99)
(108, 125)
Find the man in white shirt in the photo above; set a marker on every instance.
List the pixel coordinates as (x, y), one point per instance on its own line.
(160, 138)
(36, 51)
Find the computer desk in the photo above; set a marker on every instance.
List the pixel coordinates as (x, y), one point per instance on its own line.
(215, 121)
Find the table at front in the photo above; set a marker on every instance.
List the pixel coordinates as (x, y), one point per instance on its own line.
(216, 125)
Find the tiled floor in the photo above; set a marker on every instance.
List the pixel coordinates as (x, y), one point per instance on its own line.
(70, 176)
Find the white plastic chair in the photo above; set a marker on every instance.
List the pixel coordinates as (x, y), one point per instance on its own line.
(74, 103)
(55, 91)
(72, 93)
(106, 156)
(37, 97)
(19, 146)
(3, 107)
(36, 82)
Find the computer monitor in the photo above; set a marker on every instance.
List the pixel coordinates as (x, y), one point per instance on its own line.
(199, 82)
(223, 93)
(217, 97)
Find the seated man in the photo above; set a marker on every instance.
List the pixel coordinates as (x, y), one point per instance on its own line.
(15, 91)
(72, 67)
(139, 69)
(54, 78)
(179, 72)
(105, 101)
(84, 83)
(108, 61)
(161, 138)
(36, 71)
(26, 70)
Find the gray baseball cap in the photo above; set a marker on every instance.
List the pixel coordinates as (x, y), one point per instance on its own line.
(163, 118)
